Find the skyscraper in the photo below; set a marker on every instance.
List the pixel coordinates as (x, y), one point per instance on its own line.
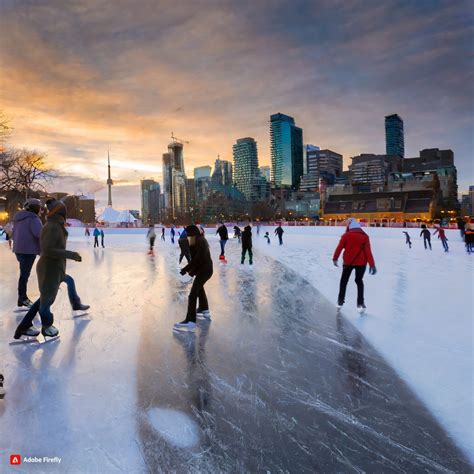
(151, 200)
(394, 136)
(286, 149)
(222, 172)
(174, 180)
(245, 166)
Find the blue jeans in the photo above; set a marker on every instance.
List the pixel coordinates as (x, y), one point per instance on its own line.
(43, 305)
(26, 262)
(222, 242)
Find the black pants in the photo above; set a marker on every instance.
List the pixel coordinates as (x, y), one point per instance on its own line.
(96, 241)
(152, 243)
(26, 262)
(102, 241)
(280, 239)
(197, 292)
(445, 244)
(244, 251)
(359, 275)
(427, 240)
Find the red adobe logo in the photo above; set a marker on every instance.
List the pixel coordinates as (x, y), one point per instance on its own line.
(15, 459)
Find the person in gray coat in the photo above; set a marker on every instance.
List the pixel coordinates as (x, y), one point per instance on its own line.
(26, 245)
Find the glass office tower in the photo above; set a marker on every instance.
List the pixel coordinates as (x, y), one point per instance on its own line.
(394, 136)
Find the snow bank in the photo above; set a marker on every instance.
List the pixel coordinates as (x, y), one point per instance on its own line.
(420, 310)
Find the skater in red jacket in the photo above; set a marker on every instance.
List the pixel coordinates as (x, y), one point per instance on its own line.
(357, 254)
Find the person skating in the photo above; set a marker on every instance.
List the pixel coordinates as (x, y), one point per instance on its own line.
(151, 237)
(426, 236)
(237, 233)
(442, 235)
(184, 247)
(26, 245)
(8, 232)
(407, 239)
(102, 236)
(51, 271)
(87, 233)
(279, 232)
(201, 268)
(224, 237)
(469, 236)
(267, 237)
(163, 234)
(357, 253)
(96, 235)
(461, 226)
(172, 234)
(2, 390)
(247, 244)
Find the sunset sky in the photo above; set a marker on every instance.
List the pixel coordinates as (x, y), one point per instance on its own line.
(81, 77)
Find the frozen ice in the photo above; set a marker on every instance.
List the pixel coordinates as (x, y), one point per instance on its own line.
(277, 381)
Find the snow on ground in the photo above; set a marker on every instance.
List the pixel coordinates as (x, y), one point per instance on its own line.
(419, 310)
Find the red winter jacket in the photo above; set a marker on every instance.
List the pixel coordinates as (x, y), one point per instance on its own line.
(356, 245)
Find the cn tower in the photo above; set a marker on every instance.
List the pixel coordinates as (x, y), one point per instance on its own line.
(109, 182)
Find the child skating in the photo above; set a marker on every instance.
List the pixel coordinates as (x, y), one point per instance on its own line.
(201, 269)
(267, 237)
(407, 239)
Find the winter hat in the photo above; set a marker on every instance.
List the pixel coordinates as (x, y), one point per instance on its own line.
(56, 207)
(32, 205)
(192, 231)
(353, 224)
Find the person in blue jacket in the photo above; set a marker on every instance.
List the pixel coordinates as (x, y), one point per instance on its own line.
(96, 235)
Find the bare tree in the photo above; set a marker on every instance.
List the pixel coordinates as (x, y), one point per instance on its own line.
(5, 130)
(24, 171)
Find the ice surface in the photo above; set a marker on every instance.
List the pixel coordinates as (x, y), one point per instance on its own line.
(276, 381)
(420, 310)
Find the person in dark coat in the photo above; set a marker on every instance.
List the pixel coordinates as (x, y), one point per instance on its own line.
(201, 269)
(237, 233)
(279, 232)
(26, 245)
(407, 239)
(267, 237)
(163, 234)
(247, 244)
(184, 247)
(426, 236)
(224, 237)
(51, 271)
(102, 236)
(172, 233)
(357, 253)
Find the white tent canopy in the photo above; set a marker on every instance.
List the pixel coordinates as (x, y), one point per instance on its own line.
(112, 216)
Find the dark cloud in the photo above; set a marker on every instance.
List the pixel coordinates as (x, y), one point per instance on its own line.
(81, 77)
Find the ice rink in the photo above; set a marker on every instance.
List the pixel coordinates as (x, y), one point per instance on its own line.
(276, 382)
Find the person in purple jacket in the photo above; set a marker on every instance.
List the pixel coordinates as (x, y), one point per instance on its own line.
(26, 245)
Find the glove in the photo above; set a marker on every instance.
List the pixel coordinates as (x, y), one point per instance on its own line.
(335, 263)
(372, 270)
(182, 272)
(77, 257)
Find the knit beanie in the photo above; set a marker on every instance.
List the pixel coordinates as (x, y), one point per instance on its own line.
(56, 207)
(353, 224)
(192, 231)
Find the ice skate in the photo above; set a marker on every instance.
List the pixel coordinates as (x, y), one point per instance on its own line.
(24, 305)
(339, 306)
(185, 326)
(49, 333)
(203, 314)
(28, 332)
(361, 308)
(79, 310)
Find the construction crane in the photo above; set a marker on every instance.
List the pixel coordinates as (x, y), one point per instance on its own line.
(176, 139)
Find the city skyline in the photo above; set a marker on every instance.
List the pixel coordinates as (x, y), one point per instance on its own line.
(113, 76)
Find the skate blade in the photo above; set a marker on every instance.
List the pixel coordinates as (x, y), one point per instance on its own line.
(24, 340)
(78, 314)
(20, 309)
(184, 330)
(47, 339)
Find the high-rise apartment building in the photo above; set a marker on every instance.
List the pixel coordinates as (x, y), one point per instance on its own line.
(151, 201)
(174, 180)
(265, 171)
(245, 166)
(394, 136)
(286, 149)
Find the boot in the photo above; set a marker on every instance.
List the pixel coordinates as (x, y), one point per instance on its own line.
(49, 331)
(30, 332)
(80, 307)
